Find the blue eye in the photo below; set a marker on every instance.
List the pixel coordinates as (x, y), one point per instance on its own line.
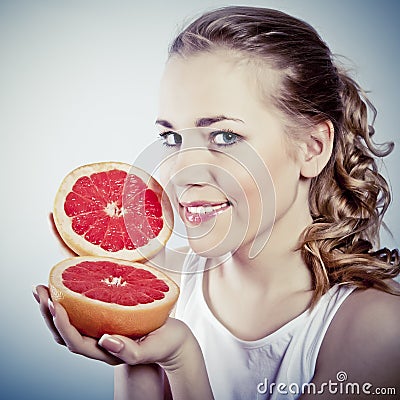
(225, 138)
(171, 138)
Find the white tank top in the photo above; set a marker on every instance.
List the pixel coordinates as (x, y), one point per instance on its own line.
(274, 367)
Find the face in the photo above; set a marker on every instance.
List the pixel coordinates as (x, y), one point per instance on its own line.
(226, 166)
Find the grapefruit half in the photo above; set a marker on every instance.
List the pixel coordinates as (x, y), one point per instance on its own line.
(112, 209)
(106, 295)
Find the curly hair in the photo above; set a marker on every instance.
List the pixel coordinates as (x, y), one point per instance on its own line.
(349, 198)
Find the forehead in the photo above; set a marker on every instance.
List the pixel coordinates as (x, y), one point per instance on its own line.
(210, 84)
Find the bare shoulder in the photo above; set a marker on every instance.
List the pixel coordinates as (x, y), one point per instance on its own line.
(363, 340)
(170, 261)
(363, 307)
(367, 312)
(177, 255)
(175, 258)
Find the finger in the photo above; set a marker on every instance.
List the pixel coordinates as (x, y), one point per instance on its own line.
(124, 348)
(157, 346)
(43, 297)
(61, 242)
(75, 342)
(134, 352)
(35, 294)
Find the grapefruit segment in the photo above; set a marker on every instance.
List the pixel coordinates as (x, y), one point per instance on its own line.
(107, 295)
(113, 209)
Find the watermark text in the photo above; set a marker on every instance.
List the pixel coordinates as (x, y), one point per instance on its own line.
(339, 386)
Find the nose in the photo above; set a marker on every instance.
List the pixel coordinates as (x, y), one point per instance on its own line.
(191, 166)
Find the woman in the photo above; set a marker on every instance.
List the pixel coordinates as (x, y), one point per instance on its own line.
(269, 162)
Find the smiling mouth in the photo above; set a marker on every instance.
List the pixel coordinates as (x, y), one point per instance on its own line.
(196, 213)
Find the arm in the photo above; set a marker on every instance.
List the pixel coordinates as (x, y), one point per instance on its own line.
(190, 381)
(175, 349)
(362, 341)
(139, 382)
(151, 379)
(172, 346)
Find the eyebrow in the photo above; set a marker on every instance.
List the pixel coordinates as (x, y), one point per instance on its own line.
(201, 122)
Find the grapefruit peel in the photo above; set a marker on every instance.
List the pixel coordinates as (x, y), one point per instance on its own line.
(91, 316)
(94, 317)
(115, 214)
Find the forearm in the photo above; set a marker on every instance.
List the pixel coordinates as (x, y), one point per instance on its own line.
(175, 349)
(188, 377)
(138, 382)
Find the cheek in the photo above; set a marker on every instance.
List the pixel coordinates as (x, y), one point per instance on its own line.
(286, 183)
(165, 176)
(166, 181)
(253, 194)
(261, 198)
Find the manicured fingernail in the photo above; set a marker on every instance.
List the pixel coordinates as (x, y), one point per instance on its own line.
(35, 293)
(111, 344)
(51, 307)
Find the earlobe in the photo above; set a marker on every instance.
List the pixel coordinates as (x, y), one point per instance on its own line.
(318, 149)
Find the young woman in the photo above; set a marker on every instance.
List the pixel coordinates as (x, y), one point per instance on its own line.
(270, 164)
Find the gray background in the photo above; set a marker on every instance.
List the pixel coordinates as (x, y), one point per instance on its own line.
(78, 84)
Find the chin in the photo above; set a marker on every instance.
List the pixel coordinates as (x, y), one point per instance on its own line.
(215, 244)
(207, 252)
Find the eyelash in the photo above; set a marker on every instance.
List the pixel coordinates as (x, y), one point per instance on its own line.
(238, 138)
(164, 136)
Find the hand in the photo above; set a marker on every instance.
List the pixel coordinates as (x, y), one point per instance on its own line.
(172, 346)
(163, 346)
(65, 334)
(175, 349)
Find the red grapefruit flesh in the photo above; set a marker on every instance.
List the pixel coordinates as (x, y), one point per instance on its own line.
(106, 295)
(113, 209)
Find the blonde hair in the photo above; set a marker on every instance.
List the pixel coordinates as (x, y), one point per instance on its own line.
(349, 198)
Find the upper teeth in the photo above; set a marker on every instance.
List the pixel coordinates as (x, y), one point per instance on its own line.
(205, 209)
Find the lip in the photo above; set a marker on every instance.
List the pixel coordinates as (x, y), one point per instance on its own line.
(207, 214)
(202, 203)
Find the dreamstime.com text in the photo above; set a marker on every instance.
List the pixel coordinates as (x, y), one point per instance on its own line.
(340, 386)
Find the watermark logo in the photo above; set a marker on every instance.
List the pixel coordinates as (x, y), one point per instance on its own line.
(341, 385)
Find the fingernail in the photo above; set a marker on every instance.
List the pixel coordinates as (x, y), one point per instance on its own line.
(111, 344)
(35, 293)
(51, 307)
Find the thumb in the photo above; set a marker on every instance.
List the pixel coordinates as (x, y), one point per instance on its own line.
(122, 347)
(161, 346)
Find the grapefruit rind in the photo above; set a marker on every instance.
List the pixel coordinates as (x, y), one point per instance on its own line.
(94, 318)
(80, 245)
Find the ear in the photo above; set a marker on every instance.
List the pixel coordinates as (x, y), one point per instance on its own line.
(317, 149)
